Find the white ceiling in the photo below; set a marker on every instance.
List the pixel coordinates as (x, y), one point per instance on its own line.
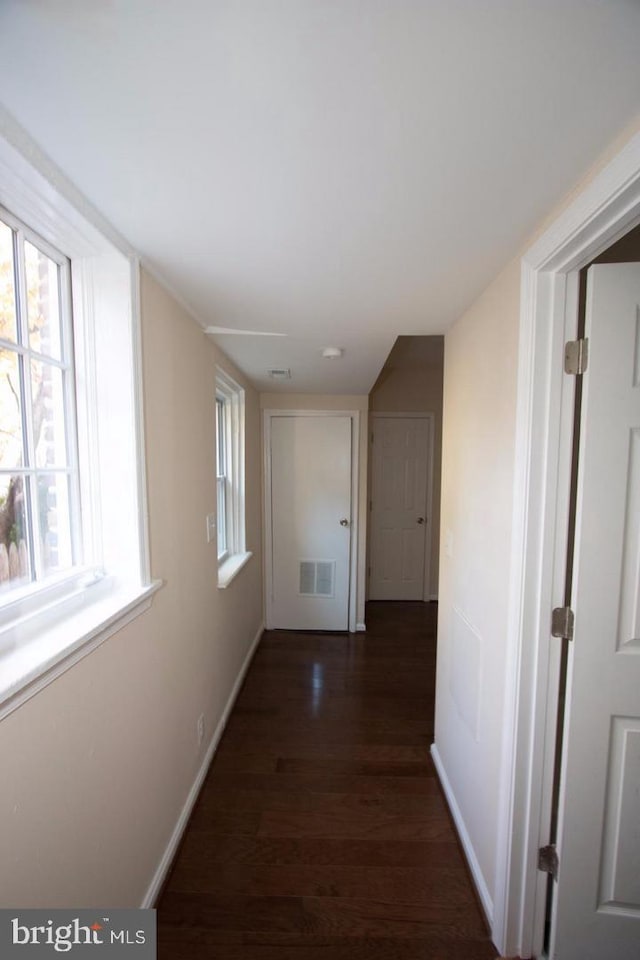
(340, 171)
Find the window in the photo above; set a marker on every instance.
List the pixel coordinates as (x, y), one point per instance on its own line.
(221, 477)
(73, 545)
(39, 510)
(232, 553)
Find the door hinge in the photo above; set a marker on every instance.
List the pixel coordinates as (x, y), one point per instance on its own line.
(576, 356)
(370, 505)
(548, 860)
(562, 620)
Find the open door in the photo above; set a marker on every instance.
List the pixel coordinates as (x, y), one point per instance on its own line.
(597, 899)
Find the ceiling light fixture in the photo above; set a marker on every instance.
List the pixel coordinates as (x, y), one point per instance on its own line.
(332, 353)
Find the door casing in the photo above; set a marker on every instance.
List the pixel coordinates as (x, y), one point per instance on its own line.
(354, 416)
(606, 209)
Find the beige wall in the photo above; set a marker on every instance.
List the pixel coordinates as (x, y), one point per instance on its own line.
(324, 401)
(96, 768)
(411, 382)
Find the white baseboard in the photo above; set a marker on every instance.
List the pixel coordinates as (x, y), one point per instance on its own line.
(361, 628)
(465, 839)
(167, 858)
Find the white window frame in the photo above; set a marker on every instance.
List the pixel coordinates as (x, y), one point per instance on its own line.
(222, 478)
(39, 579)
(44, 633)
(234, 555)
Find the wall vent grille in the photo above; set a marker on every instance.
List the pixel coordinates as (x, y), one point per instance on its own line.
(317, 578)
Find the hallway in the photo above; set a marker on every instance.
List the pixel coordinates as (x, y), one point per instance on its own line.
(321, 832)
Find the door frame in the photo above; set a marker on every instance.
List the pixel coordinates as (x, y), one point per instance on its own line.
(431, 418)
(607, 208)
(354, 416)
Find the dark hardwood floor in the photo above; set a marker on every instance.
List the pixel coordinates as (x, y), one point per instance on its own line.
(321, 832)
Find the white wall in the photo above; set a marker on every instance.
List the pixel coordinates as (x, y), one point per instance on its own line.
(477, 481)
(325, 401)
(97, 767)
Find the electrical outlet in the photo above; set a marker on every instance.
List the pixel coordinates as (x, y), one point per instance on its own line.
(211, 528)
(200, 729)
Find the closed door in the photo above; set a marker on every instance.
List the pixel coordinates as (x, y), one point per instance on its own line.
(399, 520)
(597, 908)
(310, 471)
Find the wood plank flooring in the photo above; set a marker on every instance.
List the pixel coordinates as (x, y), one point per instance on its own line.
(321, 832)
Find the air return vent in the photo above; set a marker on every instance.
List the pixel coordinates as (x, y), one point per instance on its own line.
(317, 578)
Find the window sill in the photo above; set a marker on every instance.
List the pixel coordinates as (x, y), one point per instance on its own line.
(30, 665)
(231, 567)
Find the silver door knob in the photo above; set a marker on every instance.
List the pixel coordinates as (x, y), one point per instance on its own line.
(420, 519)
(344, 522)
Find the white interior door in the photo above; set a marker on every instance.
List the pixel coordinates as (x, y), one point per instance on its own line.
(597, 910)
(399, 521)
(310, 459)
